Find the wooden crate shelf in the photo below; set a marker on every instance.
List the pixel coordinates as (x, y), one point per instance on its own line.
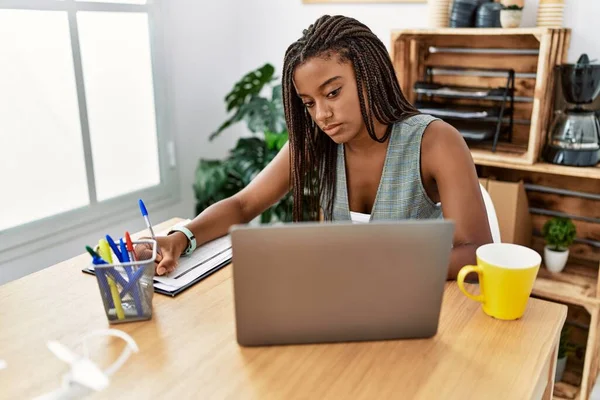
(576, 284)
(569, 388)
(447, 64)
(481, 158)
(531, 53)
(565, 391)
(537, 31)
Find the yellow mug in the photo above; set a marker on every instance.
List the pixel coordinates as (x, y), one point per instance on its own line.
(506, 275)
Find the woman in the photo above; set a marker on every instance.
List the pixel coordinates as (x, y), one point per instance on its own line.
(357, 150)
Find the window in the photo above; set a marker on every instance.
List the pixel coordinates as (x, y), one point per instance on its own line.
(82, 115)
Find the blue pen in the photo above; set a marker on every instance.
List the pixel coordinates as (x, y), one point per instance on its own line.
(114, 248)
(103, 281)
(132, 282)
(135, 293)
(145, 215)
(125, 256)
(116, 276)
(124, 251)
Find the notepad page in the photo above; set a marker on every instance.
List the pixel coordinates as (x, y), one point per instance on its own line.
(193, 274)
(202, 260)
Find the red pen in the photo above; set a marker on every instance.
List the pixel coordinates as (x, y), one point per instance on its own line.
(129, 246)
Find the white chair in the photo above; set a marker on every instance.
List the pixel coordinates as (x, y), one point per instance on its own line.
(491, 214)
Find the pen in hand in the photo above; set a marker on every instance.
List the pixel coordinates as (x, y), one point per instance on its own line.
(148, 224)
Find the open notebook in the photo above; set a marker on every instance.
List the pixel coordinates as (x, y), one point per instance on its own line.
(207, 259)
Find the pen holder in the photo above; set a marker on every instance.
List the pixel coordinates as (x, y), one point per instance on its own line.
(127, 288)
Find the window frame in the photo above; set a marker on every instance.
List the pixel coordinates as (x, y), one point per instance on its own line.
(18, 241)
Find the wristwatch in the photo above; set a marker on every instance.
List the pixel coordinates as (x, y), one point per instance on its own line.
(191, 239)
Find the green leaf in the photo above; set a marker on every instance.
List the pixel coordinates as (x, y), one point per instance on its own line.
(248, 158)
(282, 140)
(248, 88)
(250, 85)
(271, 139)
(216, 180)
(238, 116)
(263, 115)
(267, 216)
(211, 176)
(559, 233)
(277, 99)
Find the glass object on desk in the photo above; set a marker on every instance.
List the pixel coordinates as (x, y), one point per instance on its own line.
(117, 70)
(42, 166)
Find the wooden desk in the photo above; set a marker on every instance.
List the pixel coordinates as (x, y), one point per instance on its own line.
(188, 349)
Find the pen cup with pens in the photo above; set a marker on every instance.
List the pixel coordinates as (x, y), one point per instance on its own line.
(126, 287)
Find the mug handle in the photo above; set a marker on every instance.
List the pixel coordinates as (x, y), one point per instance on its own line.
(460, 279)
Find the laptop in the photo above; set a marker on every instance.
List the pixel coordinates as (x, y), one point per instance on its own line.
(310, 282)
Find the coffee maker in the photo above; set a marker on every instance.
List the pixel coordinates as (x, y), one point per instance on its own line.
(574, 137)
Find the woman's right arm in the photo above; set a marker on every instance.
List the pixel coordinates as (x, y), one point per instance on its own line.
(269, 186)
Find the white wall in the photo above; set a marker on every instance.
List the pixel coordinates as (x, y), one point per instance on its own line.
(582, 17)
(203, 56)
(211, 44)
(269, 26)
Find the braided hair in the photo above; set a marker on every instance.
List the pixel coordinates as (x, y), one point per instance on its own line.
(313, 154)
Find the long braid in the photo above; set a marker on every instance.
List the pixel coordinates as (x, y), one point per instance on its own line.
(313, 155)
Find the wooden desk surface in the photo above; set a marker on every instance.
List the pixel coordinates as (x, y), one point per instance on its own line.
(188, 349)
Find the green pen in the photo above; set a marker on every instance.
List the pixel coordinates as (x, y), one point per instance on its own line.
(92, 252)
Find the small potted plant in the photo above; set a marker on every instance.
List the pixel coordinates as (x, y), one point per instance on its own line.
(510, 16)
(564, 350)
(559, 233)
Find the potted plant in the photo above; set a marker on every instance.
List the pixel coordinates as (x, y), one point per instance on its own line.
(559, 233)
(510, 16)
(564, 350)
(264, 116)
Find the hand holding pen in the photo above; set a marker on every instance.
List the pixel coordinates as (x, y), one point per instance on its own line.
(169, 247)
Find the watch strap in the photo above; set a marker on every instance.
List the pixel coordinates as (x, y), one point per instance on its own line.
(191, 239)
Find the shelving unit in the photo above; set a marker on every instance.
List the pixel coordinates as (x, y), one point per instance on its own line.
(532, 53)
(578, 285)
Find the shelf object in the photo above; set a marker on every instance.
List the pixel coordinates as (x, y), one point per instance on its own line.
(481, 158)
(530, 52)
(458, 92)
(484, 124)
(460, 112)
(475, 123)
(565, 391)
(576, 284)
(570, 386)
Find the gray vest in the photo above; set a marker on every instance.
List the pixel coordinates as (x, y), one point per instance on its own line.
(400, 194)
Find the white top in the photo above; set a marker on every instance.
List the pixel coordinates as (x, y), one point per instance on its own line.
(359, 218)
